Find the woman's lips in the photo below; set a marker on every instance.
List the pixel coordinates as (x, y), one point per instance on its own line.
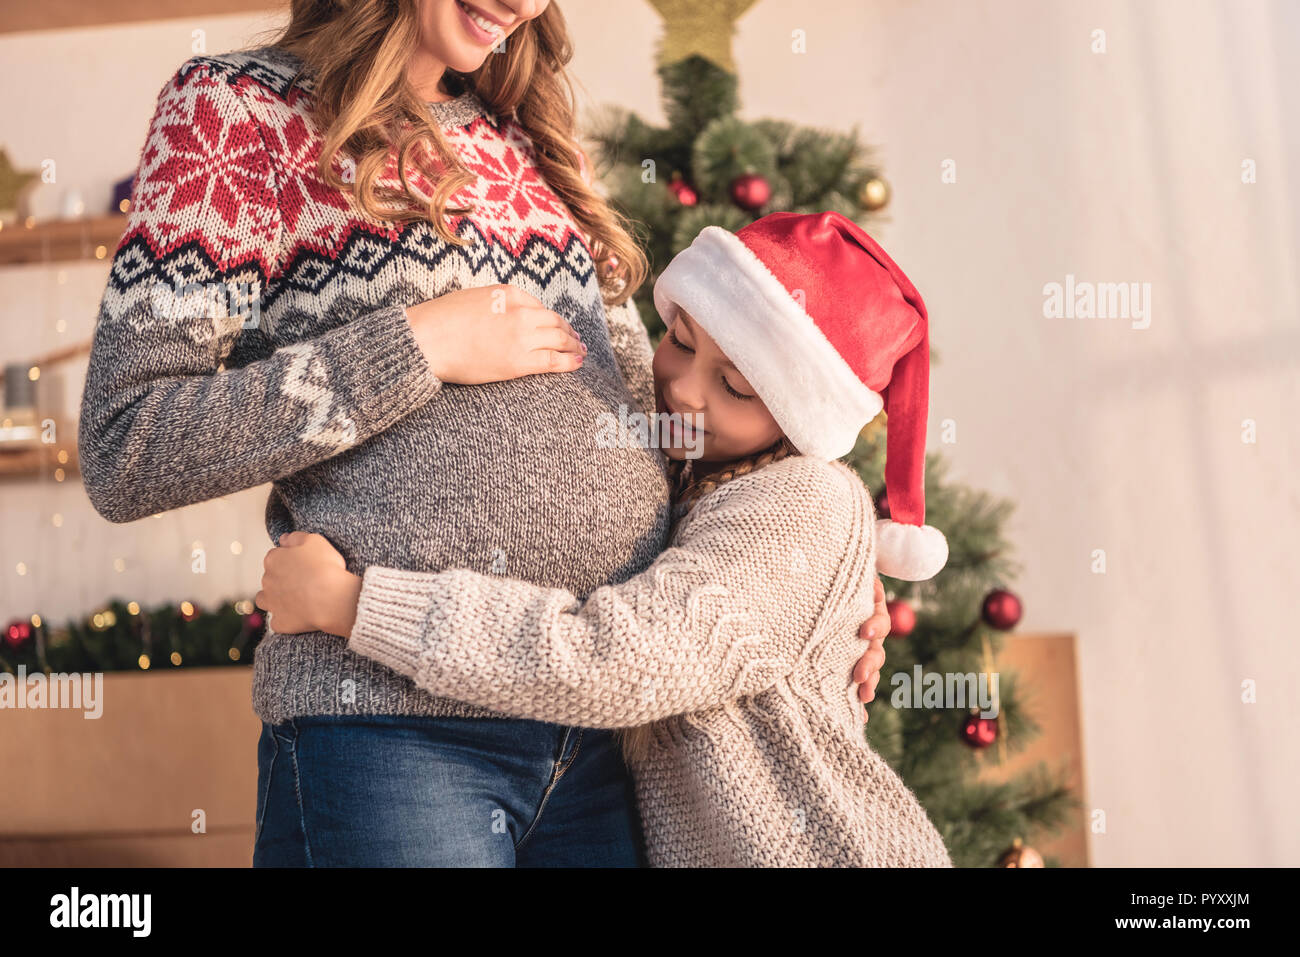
(477, 32)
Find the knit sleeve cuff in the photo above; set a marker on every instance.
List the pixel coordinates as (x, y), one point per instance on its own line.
(379, 370)
(391, 618)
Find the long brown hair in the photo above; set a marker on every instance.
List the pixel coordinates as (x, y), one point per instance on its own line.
(690, 488)
(358, 55)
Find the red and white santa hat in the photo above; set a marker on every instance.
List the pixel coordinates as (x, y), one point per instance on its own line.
(828, 331)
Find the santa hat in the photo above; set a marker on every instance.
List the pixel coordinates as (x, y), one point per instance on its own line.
(828, 331)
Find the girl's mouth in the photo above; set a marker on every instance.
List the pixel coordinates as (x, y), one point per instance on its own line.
(683, 434)
(479, 26)
(681, 431)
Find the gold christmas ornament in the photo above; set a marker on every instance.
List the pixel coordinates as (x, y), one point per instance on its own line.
(874, 194)
(692, 27)
(1020, 855)
(14, 183)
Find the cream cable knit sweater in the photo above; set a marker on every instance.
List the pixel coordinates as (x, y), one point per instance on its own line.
(737, 648)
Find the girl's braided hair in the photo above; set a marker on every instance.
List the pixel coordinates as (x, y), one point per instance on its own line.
(688, 490)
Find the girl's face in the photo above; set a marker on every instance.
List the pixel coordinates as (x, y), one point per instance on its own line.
(450, 35)
(715, 415)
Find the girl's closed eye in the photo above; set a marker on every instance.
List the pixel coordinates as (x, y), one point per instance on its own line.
(734, 392)
(730, 388)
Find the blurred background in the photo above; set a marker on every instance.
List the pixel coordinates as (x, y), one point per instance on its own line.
(1144, 573)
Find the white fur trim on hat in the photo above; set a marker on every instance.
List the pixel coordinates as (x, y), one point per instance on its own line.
(911, 553)
(813, 394)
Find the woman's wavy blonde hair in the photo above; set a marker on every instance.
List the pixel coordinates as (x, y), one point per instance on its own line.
(689, 489)
(358, 52)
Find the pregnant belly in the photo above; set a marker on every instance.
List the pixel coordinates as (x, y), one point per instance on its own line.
(513, 478)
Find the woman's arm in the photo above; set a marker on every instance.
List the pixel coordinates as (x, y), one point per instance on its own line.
(627, 333)
(733, 606)
(163, 423)
(632, 351)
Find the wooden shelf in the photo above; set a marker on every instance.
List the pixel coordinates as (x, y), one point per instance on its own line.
(65, 14)
(61, 240)
(31, 458)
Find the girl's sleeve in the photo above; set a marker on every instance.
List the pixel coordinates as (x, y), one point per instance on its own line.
(163, 422)
(724, 613)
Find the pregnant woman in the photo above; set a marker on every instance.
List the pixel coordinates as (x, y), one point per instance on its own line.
(323, 232)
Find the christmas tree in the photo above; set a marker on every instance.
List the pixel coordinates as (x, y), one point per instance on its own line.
(709, 167)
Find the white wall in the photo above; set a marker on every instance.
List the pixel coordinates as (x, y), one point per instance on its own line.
(1115, 167)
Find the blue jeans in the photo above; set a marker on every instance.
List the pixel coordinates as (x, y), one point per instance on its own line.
(412, 791)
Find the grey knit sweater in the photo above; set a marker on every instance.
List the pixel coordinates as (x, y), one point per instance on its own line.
(322, 391)
(736, 646)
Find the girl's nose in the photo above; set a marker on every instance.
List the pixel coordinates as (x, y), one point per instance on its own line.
(684, 394)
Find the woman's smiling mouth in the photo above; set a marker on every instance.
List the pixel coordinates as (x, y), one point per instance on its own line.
(479, 25)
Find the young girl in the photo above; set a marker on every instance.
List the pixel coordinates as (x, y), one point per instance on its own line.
(730, 657)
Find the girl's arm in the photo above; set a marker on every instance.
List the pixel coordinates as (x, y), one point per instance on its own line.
(163, 422)
(733, 606)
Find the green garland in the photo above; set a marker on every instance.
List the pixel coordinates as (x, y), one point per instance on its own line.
(125, 637)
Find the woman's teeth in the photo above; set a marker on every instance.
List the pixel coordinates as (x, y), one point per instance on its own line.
(487, 25)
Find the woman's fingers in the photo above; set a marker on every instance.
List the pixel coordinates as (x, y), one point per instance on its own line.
(554, 350)
(552, 360)
(557, 320)
(558, 339)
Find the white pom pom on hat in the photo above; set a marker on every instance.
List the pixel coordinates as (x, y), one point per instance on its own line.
(828, 330)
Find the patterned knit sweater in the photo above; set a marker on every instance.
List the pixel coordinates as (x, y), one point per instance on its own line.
(253, 331)
(736, 647)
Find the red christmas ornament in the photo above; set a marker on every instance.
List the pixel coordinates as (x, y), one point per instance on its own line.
(1002, 609)
(902, 618)
(682, 190)
(979, 732)
(18, 633)
(253, 620)
(750, 191)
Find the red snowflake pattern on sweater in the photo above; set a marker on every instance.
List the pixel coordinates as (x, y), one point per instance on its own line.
(514, 201)
(204, 175)
(231, 162)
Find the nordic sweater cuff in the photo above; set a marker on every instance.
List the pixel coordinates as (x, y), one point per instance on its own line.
(391, 615)
(381, 367)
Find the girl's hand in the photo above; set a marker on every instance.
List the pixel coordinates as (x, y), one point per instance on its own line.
(306, 586)
(873, 631)
(493, 333)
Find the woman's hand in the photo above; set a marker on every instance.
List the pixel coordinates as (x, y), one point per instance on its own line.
(493, 333)
(873, 631)
(306, 586)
